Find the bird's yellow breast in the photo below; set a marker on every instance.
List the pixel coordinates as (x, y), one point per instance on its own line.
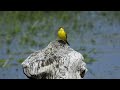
(62, 34)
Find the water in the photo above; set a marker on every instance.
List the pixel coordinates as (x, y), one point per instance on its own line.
(94, 33)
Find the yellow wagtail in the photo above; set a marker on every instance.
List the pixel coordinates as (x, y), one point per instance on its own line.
(62, 35)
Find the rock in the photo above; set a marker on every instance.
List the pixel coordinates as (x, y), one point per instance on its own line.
(56, 61)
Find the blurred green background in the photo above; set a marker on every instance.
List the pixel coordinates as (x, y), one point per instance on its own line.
(95, 34)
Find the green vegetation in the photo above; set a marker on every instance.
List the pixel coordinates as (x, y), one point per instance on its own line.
(2, 61)
(20, 60)
(93, 41)
(88, 60)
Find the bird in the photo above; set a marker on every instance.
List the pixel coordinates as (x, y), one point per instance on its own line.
(62, 35)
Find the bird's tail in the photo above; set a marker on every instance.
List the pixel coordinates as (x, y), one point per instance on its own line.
(67, 42)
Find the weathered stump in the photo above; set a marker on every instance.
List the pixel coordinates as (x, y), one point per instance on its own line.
(56, 61)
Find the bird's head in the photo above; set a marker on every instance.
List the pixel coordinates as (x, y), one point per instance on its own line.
(61, 29)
